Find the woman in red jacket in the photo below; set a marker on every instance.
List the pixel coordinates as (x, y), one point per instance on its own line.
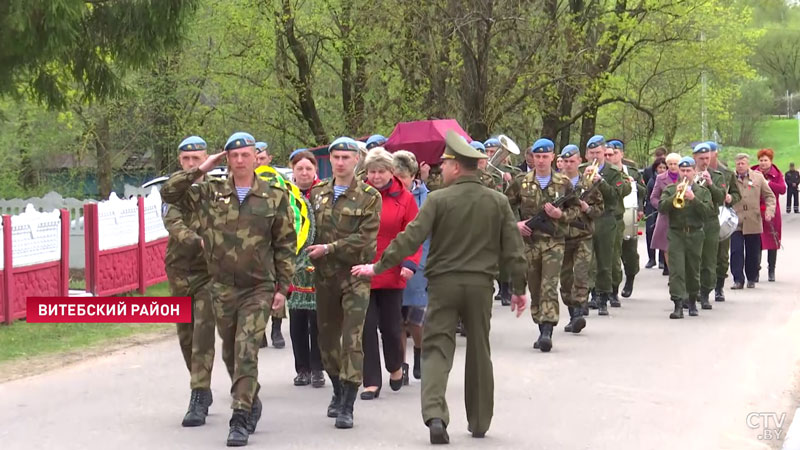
(386, 297)
(771, 236)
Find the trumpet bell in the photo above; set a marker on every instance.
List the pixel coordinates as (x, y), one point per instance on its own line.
(508, 144)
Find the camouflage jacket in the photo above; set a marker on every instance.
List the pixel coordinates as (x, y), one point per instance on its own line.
(184, 247)
(246, 245)
(583, 226)
(525, 195)
(489, 181)
(349, 226)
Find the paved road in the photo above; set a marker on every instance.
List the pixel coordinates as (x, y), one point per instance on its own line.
(633, 380)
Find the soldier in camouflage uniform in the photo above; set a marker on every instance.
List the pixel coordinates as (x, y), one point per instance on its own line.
(188, 277)
(472, 231)
(533, 194)
(732, 197)
(347, 215)
(250, 242)
(578, 242)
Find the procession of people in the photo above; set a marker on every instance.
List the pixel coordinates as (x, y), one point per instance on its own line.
(390, 246)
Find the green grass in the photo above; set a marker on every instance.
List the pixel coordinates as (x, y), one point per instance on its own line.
(778, 134)
(25, 340)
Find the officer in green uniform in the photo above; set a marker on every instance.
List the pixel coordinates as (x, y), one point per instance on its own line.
(731, 198)
(472, 231)
(614, 188)
(347, 214)
(249, 242)
(713, 180)
(578, 241)
(629, 252)
(533, 194)
(685, 237)
(188, 277)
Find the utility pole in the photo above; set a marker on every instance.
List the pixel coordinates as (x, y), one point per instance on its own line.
(703, 124)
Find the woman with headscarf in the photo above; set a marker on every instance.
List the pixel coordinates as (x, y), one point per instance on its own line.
(771, 236)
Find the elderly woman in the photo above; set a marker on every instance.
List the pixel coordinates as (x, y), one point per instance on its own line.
(659, 239)
(658, 167)
(746, 240)
(386, 295)
(302, 298)
(771, 236)
(415, 296)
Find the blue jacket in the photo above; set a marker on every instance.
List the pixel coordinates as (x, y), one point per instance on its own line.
(416, 291)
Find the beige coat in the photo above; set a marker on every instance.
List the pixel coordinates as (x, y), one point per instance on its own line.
(753, 187)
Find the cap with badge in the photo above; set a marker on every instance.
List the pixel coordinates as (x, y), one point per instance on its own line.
(261, 146)
(702, 147)
(294, 153)
(376, 140)
(686, 161)
(543, 145)
(344, 143)
(456, 147)
(192, 144)
(617, 144)
(713, 145)
(492, 143)
(478, 145)
(595, 141)
(569, 151)
(240, 140)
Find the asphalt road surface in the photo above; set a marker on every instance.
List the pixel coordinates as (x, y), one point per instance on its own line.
(634, 380)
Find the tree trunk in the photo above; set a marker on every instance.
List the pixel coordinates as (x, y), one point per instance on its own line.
(102, 142)
(588, 123)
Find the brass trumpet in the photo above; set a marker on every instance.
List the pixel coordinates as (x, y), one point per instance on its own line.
(589, 173)
(680, 194)
(507, 147)
(699, 179)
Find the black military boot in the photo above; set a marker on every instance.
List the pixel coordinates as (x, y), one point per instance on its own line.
(602, 304)
(576, 321)
(237, 436)
(336, 400)
(693, 306)
(719, 294)
(704, 300)
(613, 300)
(255, 415)
(276, 335)
(505, 293)
(568, 327)
(627, 290)
(592, 299)
(538, 341)
(678, 312)
(546, 340)
(438, 431)
(417, 371)
(771, 275)
(345, 417)
(199, 401)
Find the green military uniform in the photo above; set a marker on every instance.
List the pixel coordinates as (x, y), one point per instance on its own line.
(487, 179)
(629, 251)
(576, 266)
(728, 178)
(708, 260)
(472, 232)
(250, 248)
(685, 237)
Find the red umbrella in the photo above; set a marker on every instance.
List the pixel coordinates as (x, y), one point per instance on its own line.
(423, 138)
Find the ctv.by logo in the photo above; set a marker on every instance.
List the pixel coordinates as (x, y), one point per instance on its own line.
(770, 423)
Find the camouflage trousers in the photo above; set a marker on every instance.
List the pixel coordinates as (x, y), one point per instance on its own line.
(544, 267)
(342, 302)
(241, 319)
(575, 270)
(197, 337)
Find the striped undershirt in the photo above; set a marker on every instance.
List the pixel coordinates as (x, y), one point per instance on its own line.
(241, 192)
(337, 191)
(543, 181)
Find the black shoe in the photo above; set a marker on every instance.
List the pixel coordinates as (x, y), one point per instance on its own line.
(602, 304)
(302, 379)
(336, 401)
(370, 395)
(661, 265)
(438, 431)
(719, 294)
(254, 416)
(576, 321)
(536, 343)
(546, 339)
(771, 276)
(264, 343)
(613, 300)
(665, 272)
(585, 310)
(693, 308)
(396, 385)
(276, 336)
(405, 374)
(737, 285)
(238, 435)
(568, 327)
(592, 303)
(476, 434)
(199, 401)
(751, 284)
(677, 313)
(345, 417)
(650, 264)
(704, 304)
(317, 379)
(627, 290)
(417, 363)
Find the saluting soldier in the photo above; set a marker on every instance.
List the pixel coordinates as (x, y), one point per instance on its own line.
(533, 194)
(249, 241)
(685, 237)
(578, 241)
(732, 197)
(347, 213)
(614, 188)
(714, 181)
(471, 230)
(188, 277)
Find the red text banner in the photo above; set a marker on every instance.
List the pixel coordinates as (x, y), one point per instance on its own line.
(109, 309)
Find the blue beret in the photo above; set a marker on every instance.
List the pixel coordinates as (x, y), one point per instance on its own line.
(702, 147)
(616, 143)
(491, 143)
(542, 145)
(569, 151)
(376, 140)
(192, 144)
(261, 146)
(292, 155)
(686, 161)
(344, 143)
(595, 141)
(478, 145)
(240, 140)
(713, 146)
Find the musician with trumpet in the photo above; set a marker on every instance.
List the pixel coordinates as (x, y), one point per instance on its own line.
(688, 204)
